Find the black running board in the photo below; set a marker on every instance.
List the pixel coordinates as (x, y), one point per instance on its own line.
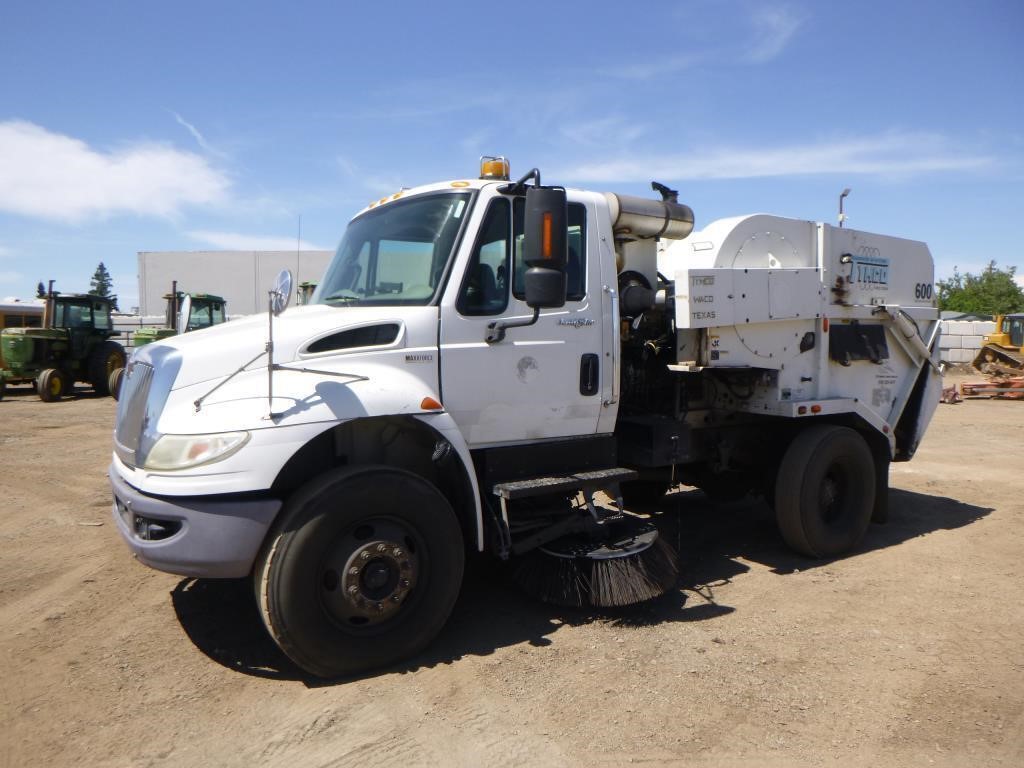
(588, 482)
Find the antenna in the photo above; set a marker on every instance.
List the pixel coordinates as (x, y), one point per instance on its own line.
(298, 255)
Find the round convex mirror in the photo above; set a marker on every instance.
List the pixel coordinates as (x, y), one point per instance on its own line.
(281, 292)
(184, 313)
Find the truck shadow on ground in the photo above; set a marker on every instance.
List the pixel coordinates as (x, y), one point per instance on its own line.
(714, 543)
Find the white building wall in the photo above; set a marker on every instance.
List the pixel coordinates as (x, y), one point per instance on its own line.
(243, 278)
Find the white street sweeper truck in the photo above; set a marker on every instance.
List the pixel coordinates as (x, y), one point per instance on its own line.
(486, 363)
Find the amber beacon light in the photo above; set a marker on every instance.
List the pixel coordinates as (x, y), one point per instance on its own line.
(494, 168)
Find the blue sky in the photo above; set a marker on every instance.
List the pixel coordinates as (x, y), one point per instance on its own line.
(131, 126)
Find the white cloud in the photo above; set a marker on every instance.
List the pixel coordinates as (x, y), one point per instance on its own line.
(53, 176)
(603, 132)
(237, 241)
(893, 154)
(659, 67)
(774, 27)
(200, 139)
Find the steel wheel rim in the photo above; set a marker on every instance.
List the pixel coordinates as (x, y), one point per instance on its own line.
(370, 574)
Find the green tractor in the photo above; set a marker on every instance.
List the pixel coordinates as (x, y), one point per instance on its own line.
(73, 344)
(185, 312)
(305, 292)
(204, 310)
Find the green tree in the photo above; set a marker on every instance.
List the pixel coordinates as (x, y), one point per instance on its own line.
(993, 292)
(102, 283)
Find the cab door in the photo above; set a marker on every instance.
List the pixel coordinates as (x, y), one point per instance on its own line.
(540, 381)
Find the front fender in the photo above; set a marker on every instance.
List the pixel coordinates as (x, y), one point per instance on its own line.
(443, 423)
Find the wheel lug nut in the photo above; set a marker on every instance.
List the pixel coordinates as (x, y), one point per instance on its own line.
(353, 571)
(397, 552)
(380, 607)
(382, 547)
(353, 589)
(364, 555)
(404, 583)
(396, 598)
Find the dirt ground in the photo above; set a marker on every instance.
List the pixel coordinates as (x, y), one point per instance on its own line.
(908, 652)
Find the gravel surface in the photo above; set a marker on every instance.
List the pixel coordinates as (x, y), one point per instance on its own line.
(906, 653)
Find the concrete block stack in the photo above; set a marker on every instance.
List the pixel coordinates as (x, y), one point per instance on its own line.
(961, 339)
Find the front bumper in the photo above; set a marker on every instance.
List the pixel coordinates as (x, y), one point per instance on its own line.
(191, 536)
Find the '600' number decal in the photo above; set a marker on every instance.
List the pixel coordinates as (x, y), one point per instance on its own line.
(923, 291)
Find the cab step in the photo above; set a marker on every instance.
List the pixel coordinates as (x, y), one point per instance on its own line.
(587, 482)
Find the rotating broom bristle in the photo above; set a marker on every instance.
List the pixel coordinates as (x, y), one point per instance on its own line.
(635, 578)
(577, 572)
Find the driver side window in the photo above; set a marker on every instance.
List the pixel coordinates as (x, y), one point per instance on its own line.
(485, 287)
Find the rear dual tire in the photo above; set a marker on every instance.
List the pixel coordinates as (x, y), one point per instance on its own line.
(825, 491)
(361, 571)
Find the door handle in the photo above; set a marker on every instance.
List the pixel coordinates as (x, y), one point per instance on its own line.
(589, 374)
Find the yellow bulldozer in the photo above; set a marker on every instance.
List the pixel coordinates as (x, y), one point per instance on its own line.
(1002, 351)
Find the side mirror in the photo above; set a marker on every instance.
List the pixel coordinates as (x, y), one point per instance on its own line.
(184, 313)
(281, 292)
(545, 247)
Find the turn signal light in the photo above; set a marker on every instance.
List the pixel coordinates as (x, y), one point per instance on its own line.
(430, 404)
(546, 246)
(494, 168)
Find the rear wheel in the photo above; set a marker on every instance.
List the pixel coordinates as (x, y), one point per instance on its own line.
(51, 385)
(362, 570)
(104, 360)
(825, 491)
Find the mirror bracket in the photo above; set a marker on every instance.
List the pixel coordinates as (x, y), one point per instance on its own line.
(496, 330)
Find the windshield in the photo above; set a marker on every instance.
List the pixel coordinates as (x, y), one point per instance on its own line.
(395, 254)
(204, 314)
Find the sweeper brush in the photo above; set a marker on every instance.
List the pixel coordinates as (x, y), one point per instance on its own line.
(630, 565)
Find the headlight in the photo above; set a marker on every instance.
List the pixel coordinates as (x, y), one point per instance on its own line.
(183, 451)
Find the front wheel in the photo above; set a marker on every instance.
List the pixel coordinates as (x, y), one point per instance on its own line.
(361, 571)
(825, 491)
(51, 385)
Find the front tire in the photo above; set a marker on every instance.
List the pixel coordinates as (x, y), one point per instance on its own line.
(51, 385)
(362, 570)
(825, 491)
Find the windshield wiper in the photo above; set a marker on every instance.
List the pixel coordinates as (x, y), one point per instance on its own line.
(342, 297)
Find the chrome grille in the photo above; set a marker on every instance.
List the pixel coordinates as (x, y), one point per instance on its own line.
(131, 410)
(144, 390)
